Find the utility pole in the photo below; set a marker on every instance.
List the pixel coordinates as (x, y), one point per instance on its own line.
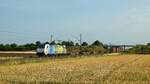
(51, 39)
(80, 39)
(80, 44)
(110, 48)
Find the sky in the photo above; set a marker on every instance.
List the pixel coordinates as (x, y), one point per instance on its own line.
(110, 21)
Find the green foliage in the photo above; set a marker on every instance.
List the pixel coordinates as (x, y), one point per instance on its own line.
(77, 44)
(15, 47)
(148, 44)
(97, 43)
(84, 44)
(75, 49)
(85, 50)
(68, 43)
(140, 49)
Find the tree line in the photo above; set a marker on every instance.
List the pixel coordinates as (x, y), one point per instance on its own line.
(15, 47)
(33, 46)
(140, 49)
(96, 47)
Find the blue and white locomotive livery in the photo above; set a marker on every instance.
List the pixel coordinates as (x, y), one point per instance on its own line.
(48, 49)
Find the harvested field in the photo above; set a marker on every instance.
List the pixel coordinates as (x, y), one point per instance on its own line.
(121, 69)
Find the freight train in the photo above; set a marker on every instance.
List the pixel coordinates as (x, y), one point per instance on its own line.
(51, 50)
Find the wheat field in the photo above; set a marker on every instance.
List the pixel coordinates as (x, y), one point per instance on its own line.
(121, 69)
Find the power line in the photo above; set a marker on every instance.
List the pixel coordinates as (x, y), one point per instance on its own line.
(76, 38)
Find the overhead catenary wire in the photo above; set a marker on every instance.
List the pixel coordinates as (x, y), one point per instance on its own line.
(33, 35)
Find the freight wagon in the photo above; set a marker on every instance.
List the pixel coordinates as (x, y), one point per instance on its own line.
(51, 50)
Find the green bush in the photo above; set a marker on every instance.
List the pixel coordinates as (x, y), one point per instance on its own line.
(15, 47)
(140, 49)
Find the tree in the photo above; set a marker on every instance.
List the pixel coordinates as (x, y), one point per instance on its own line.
(105, 46)
(38, 43)
(7, 47)
(77, 44)
(46, 42)
(97, 43)
(71, 43)
(138, 49)
(63, 43)
(148, 44)
(13, 45)
(84, 44)
(2, 47)
(68, 43)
